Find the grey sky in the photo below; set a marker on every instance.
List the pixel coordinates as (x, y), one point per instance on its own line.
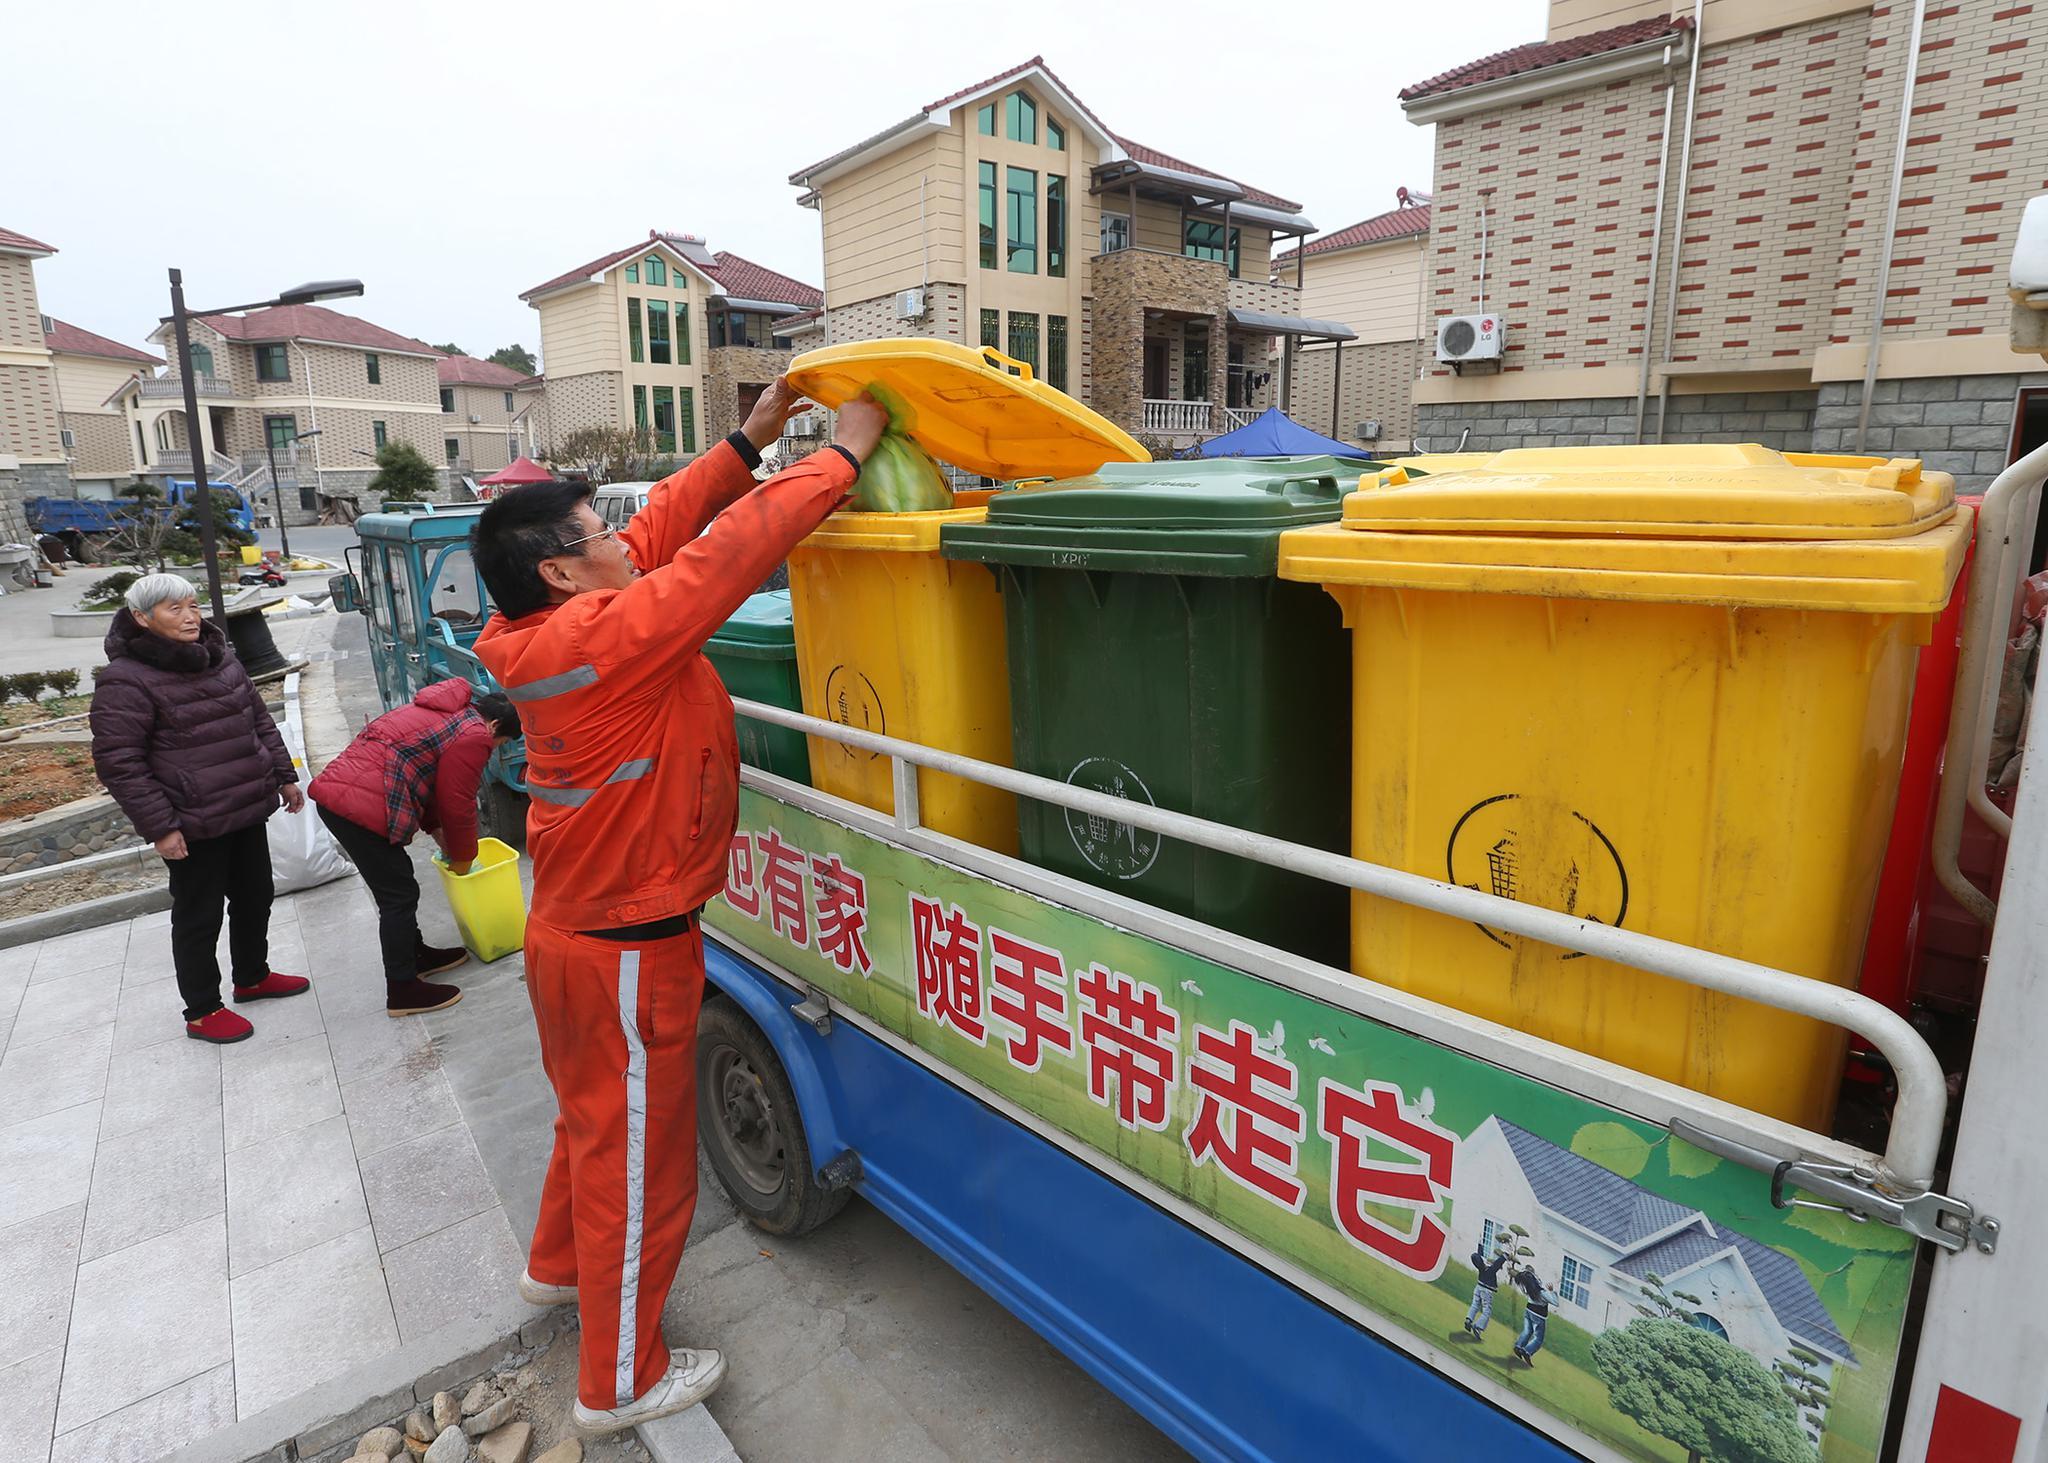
(453, 155)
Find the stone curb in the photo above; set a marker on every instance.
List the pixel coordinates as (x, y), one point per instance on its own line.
(688, 1437)
(75, 917)
(111, 859)
(327, 1420)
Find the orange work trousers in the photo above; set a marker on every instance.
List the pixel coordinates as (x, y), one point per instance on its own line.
(618, 1037)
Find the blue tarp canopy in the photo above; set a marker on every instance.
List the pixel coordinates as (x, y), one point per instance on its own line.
(1276, 434)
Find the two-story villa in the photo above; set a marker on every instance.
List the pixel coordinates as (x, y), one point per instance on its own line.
(94, 375)
(664, 335)
(32, 460)
(482, 404)
(1009, 215)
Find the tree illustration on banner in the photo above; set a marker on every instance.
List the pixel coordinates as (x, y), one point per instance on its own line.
(1690, 1385)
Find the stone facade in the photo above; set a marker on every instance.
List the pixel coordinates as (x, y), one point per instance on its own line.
(1778, 419)
(1131, 282)
(726, 370)
(90, 825)
(1377, 384)
(1956, 425)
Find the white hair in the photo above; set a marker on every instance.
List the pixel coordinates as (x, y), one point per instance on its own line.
(151, 590)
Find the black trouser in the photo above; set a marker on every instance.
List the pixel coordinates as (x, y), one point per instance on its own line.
(387, 868)
(233, 869)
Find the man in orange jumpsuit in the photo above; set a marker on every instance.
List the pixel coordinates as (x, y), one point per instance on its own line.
(633, 767)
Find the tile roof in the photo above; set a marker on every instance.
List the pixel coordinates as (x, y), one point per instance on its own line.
(531, 383)
(469, 371)
(733, 274)
(73, 341)
(313, 322)
(1539, 54)
(1398, 223)
(1786, 1290)
(746, 280)
(13, 241)
(1141, 153)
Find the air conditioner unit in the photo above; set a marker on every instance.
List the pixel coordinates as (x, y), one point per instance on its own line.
(909, 304)
(1369, 431)
(1463, 338)
(474, 419)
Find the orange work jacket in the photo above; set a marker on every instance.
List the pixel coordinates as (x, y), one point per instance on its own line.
(631, 756)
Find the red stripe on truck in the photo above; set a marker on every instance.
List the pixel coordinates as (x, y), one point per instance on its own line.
(1969, 1431)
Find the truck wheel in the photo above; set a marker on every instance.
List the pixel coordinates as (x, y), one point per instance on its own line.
(748, 1123)
(501, 814)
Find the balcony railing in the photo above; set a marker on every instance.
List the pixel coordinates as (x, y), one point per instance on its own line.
(173, 388)
(1176, 416)
(177, 462)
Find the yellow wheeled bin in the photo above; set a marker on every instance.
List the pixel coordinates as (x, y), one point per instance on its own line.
(893, 638)
(1664, 688)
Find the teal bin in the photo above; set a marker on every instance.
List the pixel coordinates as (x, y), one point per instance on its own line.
(754, 653)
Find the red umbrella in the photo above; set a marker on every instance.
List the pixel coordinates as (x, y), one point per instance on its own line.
(522, 470)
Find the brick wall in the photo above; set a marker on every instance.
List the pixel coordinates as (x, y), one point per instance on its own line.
(1378, 382)
(726, 369)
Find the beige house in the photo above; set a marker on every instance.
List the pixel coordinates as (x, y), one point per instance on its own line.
(267, 377)
(32, 457)
(1009, 215)
(1745, 306)
(662, 334)
(1369, 277)
(482, 403)
(94, 375)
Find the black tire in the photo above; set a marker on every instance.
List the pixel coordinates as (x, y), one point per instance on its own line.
(750, 1129)
(501, 814)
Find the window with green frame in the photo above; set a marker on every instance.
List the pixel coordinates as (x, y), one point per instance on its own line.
(686, 419)
(1021, 184)
(1056, 352)
(451, 448)
(985, 119)
(508, 401)
(664, 419)
(202, 361)
(1194, 369)
(1021, 115)
(988, 215)
(683, 333)
(1204, 240)
(447, 398)
(1055, 136)
(640, 406)
(1055, 226)
(633, 349)
(280, 432)
(992, 328)
(372, 368)
(272, 364)
(377, 434)
(632, 274)
(657, 332)
(1024, 338)
(657, 271)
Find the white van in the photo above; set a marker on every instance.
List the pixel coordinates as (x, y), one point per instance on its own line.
(616, 503)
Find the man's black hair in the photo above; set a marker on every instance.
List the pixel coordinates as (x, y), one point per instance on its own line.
(519, 528)
(498, 710)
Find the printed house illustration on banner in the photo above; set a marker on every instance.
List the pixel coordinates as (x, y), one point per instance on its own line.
(1597, 1235)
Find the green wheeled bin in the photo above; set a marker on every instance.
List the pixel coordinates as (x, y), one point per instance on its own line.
(1155, 656)
(754, 653)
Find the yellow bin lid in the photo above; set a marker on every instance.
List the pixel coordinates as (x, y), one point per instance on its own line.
(977, 409)
(1701, 524)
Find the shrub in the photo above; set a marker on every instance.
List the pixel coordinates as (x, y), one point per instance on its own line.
(64, 683)
(29, 685)
(109, 592)
(402, 474)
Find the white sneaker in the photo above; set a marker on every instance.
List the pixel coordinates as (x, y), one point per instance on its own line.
(691, 1377)
(535, 1294)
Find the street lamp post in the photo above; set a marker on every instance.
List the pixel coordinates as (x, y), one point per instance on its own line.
(284, 539)
(180, 322)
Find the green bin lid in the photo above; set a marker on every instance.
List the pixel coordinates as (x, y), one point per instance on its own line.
(761, 628)
(1219, 516)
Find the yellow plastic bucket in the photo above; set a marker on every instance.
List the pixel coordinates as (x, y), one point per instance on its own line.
(1664, 688)
(488, 904)
(251, 554)
(890, 636)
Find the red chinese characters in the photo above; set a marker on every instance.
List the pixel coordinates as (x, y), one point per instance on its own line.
(842, 914)
(1350, 1119)
(1028, 991)
(946, 950)
(782, 883)
(1246, 1120)
(740, 890)
(1130, 1035)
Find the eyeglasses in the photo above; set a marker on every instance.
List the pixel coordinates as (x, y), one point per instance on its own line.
(606, 532)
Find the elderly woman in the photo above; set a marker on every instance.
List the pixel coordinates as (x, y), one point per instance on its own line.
(182, 740)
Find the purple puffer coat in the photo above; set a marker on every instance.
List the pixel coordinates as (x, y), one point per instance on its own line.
(180, 736)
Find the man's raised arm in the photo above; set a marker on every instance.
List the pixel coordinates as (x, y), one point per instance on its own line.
(681, 504)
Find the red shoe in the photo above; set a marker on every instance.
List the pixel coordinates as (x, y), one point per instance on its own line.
(222, 1026)
(272, 987)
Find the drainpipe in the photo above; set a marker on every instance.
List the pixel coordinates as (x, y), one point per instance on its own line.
(1692, 91)
(1874, 351)
(1484, 194)
(1656, 242)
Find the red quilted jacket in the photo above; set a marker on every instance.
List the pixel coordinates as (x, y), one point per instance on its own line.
(416, 766)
